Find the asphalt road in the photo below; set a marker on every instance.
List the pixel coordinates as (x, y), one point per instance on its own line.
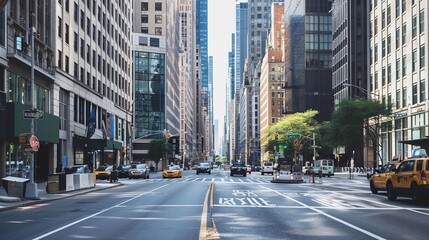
(235, 208)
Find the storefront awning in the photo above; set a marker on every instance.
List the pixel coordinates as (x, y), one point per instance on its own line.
(423, 143)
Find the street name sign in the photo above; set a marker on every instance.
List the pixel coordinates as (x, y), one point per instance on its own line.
(33, 114)
(294, 135)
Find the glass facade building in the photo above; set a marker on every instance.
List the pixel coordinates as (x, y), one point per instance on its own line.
(149, 93)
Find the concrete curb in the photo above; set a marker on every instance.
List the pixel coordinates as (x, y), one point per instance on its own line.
(45, 200)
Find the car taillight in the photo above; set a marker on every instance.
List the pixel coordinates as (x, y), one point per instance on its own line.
(423, 175)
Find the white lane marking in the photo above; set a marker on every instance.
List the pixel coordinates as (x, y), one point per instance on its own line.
(414, 210)
(204, 179)
(328, 215)
(240, 180)
(213, 179)
(97, 213)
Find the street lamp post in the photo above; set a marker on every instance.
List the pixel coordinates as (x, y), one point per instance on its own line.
(31, 191)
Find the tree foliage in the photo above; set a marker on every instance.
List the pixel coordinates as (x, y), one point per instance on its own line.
(347, 122)
(303, 123)
(157, 149)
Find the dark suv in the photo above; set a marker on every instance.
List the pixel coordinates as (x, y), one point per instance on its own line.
(238, 168)
(204, 168)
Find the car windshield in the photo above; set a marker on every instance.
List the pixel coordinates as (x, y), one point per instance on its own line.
(141, 166)
(238, 165)
(101, 168)
(268, 164)
(204, 164)
(175, 167)
(81, 170)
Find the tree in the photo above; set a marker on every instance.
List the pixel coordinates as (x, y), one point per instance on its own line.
(348, 121)
(157, 150)
(303, 123)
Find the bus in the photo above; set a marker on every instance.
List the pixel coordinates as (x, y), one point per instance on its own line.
(327, 166)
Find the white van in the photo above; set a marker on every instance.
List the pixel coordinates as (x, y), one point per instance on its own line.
(267, 167)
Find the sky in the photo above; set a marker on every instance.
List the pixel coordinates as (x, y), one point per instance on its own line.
(221, 24)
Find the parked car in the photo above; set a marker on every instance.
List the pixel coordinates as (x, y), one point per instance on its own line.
(139, 171)
(410, 178)
(173, 171)
(249, 169)
(267, 167)
(83, 169)
(378, 180)
(103, 172)
(296, 172)
(204, 168)
(124, 171)
(238, 168)
(16, 172)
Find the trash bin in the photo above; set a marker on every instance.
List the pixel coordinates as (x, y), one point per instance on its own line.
(15, 186)
(56, 183)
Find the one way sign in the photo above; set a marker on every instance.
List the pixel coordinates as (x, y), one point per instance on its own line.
(33, 114)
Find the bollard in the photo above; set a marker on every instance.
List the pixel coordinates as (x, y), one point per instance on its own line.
(320, 175)
(312, 176)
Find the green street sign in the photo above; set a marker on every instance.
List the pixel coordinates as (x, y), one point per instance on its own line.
(294, 135)
(282, 146)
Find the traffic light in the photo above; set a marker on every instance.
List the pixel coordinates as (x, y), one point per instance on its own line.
(175, 144)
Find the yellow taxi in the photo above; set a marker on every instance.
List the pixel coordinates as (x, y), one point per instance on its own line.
(173, 171)
(378, 179)
(409, 178)
(103, 173)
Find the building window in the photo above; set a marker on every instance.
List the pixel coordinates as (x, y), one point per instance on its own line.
(398, 99)
(66, 64)
(67, 34)
(145, 19)
(414, 93)
(60, 27)
(158, 6)
(389, 73)
(60, 56)
(404, 33)
(404, 97)
(154, 42)
(422, 21)
(144, 29)
(145, 6)
(422, 56)
(404, 66)
(158, 31)
(398, 69)
(389, 44)
(383, 19)
(375, 26)
(63, 103)
(383, 48)
(75, 70)
(75, 42)
(414, 26)
(422, 90)
(158, 19)
(398, 8)
(404, 5)
(376, 53)
(383, 76)
(389, 14)
(76, 12)
(414, 65)
(398, 37)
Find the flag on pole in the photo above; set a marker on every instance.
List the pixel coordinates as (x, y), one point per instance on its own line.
(91, 124)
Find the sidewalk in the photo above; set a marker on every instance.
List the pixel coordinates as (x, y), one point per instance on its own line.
(7, 203)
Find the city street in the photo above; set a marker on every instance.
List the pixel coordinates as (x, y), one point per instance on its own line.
(195, 206)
